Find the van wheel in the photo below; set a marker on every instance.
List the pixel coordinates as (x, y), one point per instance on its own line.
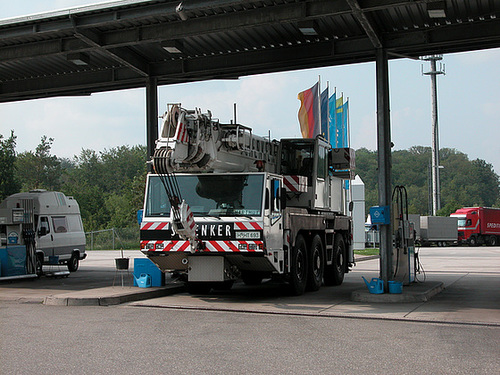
(73, 262)
(39, 265)
(316, 264)
(298, 272)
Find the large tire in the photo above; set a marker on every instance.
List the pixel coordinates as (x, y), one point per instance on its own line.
(316, 264)
(299, 268)
(74, 262)
(493, 240)
(473, 241)
(334, 274)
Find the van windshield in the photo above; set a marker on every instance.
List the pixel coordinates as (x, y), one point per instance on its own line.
(210, 195)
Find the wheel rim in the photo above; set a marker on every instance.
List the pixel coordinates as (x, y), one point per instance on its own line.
(316, 263)
(340, 259)
(300, 264)
(38, 266)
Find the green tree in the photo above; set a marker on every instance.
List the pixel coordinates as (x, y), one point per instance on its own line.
(108, 185)
(8, 181)
(463, 182)
(39, 169)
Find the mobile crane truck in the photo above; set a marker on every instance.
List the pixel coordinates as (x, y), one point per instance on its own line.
(223, 204)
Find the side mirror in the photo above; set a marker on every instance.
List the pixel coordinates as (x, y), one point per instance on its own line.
(351, 206)
(283, 198)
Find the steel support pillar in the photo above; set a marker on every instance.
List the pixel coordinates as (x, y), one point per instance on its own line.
(151, 114)
(436, 188)
(384, 160)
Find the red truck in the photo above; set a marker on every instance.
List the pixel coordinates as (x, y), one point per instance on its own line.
(478, 225)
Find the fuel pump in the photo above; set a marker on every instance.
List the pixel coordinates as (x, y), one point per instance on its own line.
(403, 250)
(17, 241)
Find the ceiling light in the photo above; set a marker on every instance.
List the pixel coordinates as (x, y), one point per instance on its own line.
(173, 46)
(436, 9)
(308, 28)
(180, 11)
(78, 58)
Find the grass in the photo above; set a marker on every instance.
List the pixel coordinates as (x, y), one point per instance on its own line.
(367, 252)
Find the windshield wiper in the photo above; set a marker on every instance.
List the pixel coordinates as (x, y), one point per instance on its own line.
(159, 214)
(207, 215)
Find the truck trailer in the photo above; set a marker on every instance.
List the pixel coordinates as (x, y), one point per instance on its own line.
(434, 230)
(478, 225)
(222, 204)
(438, 230)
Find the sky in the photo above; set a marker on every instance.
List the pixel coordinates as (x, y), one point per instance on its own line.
(468, 103)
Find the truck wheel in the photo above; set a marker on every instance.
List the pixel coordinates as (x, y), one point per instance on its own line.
(73, 262)
(316, 264)
(334, 274)
(493, 240)
(298, 271)
(473, 241)
(198, 287)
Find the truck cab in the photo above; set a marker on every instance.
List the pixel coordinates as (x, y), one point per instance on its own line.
(478, 225)
(238, 215)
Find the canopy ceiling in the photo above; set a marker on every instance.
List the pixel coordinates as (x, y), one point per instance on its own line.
(119, 45)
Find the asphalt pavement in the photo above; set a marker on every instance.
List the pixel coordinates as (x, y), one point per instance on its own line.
(460, 285)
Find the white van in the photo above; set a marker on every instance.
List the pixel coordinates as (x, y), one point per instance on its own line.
(59, 234)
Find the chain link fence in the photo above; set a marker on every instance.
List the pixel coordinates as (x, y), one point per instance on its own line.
(113, 239)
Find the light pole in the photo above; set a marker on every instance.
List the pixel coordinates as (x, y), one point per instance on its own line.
(436, 191)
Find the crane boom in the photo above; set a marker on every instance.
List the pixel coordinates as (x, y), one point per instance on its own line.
(191, 141)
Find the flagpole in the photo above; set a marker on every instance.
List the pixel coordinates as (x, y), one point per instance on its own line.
(342, 119)
(328, 111)
(319, 106)
(335, 117)
(348, 123)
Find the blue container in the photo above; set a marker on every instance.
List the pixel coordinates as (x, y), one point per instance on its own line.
(375, 286)
(143, 281)
(144, 265)
(13, 260)
(395, 287)
(380, 214)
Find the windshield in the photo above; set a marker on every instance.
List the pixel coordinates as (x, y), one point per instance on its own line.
(210, 195)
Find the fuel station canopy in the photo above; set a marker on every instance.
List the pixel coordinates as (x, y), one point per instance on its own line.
(122, 44)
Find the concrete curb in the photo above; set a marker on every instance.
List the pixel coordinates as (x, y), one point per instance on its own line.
(110, 295)
(411, 294)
